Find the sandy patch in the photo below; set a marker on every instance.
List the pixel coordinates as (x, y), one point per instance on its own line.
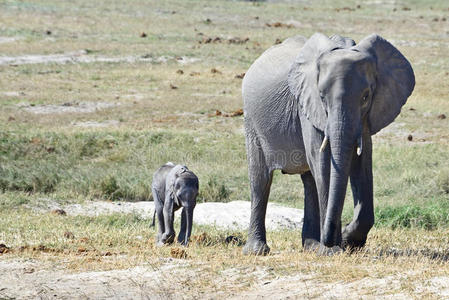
(31, 280)
(306, 286)
(4, 39)
(82, 56)
(231, 215)
(79, 107)
(95, 124)
(12, 94)
(397, 133)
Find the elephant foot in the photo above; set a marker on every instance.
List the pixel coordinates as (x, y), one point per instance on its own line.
(181, 239)
(311, 245)
(183, 242)
(351, 240)
(255, 247)
(329, 251)
(168, 238)
(315, 246)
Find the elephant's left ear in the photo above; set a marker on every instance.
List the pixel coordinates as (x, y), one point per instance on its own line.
(395, 81)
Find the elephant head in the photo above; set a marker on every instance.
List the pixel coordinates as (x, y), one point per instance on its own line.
(348, 92)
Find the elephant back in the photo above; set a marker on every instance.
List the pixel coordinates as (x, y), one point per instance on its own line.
(268, 73)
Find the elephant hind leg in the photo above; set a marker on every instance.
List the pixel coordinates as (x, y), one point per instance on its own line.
(260, 178)
(311, 226)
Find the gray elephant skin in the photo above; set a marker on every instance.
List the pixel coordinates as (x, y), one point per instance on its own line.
(173, 187)
(310, 108)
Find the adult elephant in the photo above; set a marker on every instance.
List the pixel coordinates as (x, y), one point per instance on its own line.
(310, 108)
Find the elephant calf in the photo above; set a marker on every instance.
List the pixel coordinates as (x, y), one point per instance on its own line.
(173, 187)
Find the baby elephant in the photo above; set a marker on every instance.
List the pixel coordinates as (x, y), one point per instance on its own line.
(174, 186)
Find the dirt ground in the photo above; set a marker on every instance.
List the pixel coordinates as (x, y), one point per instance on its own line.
(30, 279)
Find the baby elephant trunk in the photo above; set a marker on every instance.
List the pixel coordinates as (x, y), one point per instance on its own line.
(188, 211)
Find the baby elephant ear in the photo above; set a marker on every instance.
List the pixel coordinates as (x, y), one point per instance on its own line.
(303, 79)
(394, 84)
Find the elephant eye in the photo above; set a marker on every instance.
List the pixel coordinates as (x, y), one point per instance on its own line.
(365, 96)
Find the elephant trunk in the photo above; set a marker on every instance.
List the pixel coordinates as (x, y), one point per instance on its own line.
(342, 137)
(189, 222)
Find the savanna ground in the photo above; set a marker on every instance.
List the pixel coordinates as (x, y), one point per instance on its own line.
(130, 85)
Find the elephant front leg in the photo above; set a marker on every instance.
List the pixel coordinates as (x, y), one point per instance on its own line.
(355, 233)
(169, 234)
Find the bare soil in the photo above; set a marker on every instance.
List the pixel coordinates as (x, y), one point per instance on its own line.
(30, 279)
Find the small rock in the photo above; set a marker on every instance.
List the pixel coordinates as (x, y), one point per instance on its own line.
(143, 35)
(236, 113)
(235, 240)
(28, 270)
(173, 87)
(3, 249)
(194, 73)
(180, 72)
(240, 76)
(442, 116)
(237, 40)
(208, 21)
(48, 32)
(410, 138)
(278, 24)
(82, 250)
(215, 71)
(40, 248)
(411, 108)
(84, 239)
(11, 118)
(278, 41)
(59, 212)
(69, 235)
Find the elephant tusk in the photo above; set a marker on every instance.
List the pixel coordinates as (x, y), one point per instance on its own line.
(359, 145)
(324, 144)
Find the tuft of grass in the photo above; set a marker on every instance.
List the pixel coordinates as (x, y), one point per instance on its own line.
(429, 217)
(214, 191)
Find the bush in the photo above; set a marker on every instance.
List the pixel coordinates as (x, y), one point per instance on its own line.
(213, 191)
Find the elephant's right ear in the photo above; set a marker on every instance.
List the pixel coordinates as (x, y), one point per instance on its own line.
(303, 79)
